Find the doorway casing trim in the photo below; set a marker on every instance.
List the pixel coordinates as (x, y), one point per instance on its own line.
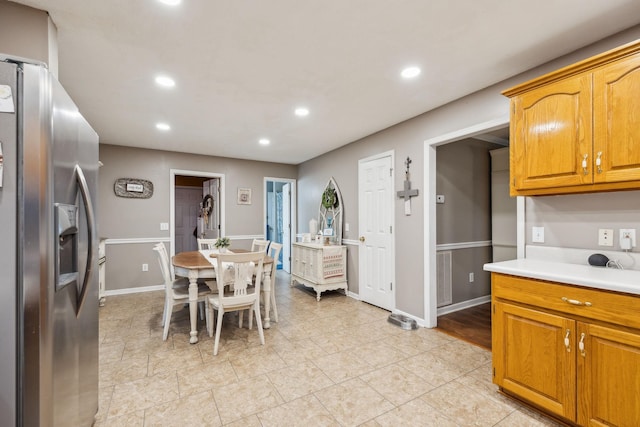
(430, 229)
(294, 203)
(172, 200)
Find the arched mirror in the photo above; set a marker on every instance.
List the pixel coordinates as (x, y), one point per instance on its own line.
(330, 217)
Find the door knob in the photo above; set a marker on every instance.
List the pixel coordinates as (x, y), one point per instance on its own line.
(362, 239)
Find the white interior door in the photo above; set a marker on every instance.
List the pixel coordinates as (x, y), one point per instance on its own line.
(187, 206)
(286, 227)
(211, 188)
(376, 253)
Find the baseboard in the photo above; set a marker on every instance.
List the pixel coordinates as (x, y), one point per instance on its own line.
(133, 290)
(419, 321)
(464, 304)
(353, 295)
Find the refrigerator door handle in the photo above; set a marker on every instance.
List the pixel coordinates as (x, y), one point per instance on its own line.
(91, 225)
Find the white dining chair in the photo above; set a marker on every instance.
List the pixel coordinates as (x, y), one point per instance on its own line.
(206, 244)
(176, 292)
(237, 271)
(260, 245)
(274, 252)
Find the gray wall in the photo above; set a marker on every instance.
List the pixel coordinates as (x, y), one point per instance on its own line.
(28, 33)
(342, 164)
(463, 176)
(123, 218)
(407, 139)
(573, 220)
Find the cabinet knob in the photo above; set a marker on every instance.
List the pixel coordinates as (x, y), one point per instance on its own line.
(362, 239)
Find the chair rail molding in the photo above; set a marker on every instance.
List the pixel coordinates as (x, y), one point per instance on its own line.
(136, 240)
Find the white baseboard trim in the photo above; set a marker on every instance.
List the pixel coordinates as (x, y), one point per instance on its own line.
(464, 304)
(419, 321)
(133, 290)
(353, 295)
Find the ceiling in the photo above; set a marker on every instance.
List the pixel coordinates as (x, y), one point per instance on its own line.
(241, 67)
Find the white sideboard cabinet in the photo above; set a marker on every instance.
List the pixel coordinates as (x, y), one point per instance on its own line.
(320, 267)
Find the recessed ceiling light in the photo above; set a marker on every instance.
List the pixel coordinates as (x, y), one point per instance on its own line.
(163, 126)
(264, 141)
(171, 2)
(410, 72)
(301, 111)
(165, 81)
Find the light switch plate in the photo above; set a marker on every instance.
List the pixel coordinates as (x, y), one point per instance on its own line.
(440, 198)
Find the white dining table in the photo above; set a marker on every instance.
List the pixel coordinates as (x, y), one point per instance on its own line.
(195, 265)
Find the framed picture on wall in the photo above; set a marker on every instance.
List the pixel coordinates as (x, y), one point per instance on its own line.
(244, 196)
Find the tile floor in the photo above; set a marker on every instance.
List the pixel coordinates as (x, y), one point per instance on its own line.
(337, 362)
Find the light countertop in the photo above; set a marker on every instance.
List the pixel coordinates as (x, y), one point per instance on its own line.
(574, 274)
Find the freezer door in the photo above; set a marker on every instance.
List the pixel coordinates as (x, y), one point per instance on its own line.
(60, 156)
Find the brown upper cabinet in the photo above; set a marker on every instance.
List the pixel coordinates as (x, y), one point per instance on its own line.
(577, 129)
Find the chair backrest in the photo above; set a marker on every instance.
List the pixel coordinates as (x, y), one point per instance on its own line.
(238, 270)
(259, 245)
(274, 252)
(204, 244)
(163, 261)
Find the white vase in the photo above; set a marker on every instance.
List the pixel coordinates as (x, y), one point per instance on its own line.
(222, 250)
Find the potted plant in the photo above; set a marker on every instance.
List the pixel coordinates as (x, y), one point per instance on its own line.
(222, 243)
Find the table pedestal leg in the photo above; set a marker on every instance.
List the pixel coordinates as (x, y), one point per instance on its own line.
(193, 305)
(267, 299)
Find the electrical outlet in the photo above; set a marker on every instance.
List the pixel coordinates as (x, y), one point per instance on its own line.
(537, 234)
(627, 238)
(164, 226)
(145, 267)
(471, 278)
(605, 237)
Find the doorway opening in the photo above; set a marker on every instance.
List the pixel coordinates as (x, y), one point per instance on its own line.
(279, 216)
(481, 131)
(196, 208)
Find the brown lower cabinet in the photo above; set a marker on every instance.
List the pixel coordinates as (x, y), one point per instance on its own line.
(572, 352)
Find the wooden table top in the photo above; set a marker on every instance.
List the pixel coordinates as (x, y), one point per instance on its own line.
(195, 260)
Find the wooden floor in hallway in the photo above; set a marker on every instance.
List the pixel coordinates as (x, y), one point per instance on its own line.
(471, 324)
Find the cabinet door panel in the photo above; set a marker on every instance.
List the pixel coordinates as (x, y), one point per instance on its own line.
(608, 377)
(552, 134)
(617, 120)
(530, 358)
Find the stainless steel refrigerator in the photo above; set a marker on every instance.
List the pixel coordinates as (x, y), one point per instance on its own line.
(48, 252)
